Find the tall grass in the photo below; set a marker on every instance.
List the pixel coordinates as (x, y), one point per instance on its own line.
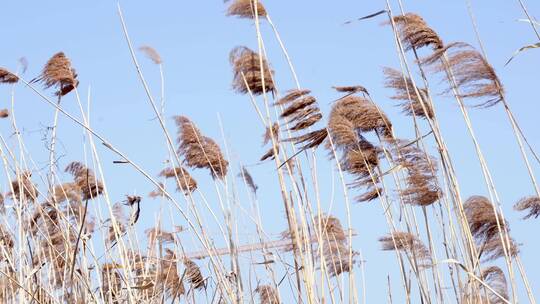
(65, 239)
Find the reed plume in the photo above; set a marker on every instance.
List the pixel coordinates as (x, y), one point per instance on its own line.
(350, 117)
(412, 104)
(301, 109)
(351, 89)
(373, 192)
(66, 192)
(408, 243)
(168, 277)
(199, 151)
(193, 274)
(488, 228)
(248, 179)
(151, 53)
(157, 234)
(422, 185)
(336, 248)
(185, 182)
(7, 240)
(267, 294)
(415, 33)
(157, 192)
(24, 188)
(247, 73)
(530, 204)
(472, 75)
(311, 139)
(494, 277)
(354, 114)
(7, 77)
(111, 282)
(246, 9)
(24, 64)
(267, 136)
(85, 179)
(58, 73)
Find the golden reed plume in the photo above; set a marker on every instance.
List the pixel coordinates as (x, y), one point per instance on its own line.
(58, 73)
(246, 9)
(247, 73)
(199, 151)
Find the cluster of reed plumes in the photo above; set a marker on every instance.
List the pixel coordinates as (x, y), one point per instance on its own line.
(67, 236)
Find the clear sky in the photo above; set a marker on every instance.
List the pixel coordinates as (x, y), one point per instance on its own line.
(194, 39)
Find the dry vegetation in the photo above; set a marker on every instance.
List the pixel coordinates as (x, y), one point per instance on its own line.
(448, 248)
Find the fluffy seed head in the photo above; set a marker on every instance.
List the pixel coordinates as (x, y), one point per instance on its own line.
(151, 53)
(59, 73)
(267, 294)
(247, 73)
(422, 186)
(7, 77)
(246, 9)
(199, 151)
(85, 179)
(193, 274)
(413, 104)
(185, 182)
(4, 113)
(407, 242)
(530, 204)
(415, 33)
(474, 77)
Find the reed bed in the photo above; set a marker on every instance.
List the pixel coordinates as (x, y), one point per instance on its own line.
(65, 237)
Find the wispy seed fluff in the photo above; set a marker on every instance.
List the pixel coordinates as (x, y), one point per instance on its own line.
(85, 179)
(422, 186)
(353, 114)
(185, 182)
(415, 33)
(151, 53)
(247, 73)
(472, 75)
(336, 247)
(488, 228)
(7, 77)
(267, 294)
(414, 100)
(59, 73)
(530, 204)
(246, 9)
(408, 243)
(199, 151)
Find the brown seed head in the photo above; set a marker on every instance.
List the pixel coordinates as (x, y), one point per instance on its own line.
(267, 294)
(422, 185)
(246, 9)
(530, 204)
(247, 73)
(185, 182)
(193, 274)
(407, 242)
(151, 53)
(199, 151)
(4, 113)
(59, 73)
(7, 77)
(85, 179)
(415, 33)
(413, 104)
(473, 76)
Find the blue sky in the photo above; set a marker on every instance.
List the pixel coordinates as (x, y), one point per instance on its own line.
(194, 39)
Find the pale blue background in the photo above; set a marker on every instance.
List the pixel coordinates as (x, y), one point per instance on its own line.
(194, 38)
